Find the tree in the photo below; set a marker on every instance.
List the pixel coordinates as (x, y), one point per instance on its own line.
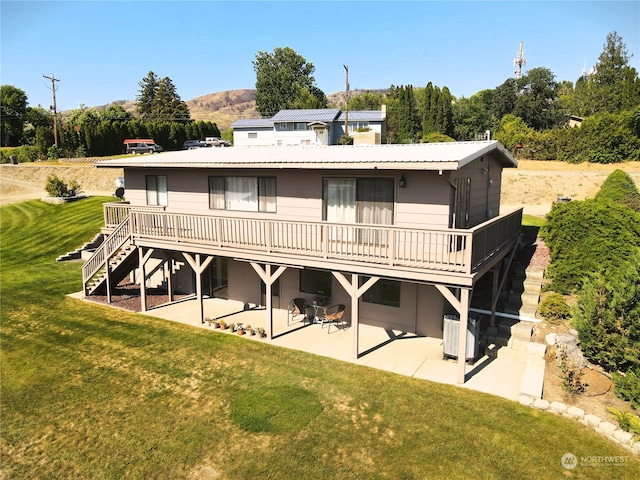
(403, 121)
(148, 91)
(472, 115)
(615, 83)
(366, 101)
(284, 79)
(504, 98)
(537, 103)
(13, 107)
(159, 100)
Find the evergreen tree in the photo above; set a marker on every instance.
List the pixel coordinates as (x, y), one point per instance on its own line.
(615, 82)
(147, 96)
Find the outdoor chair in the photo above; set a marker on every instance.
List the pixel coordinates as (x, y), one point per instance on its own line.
(332, 314)
(297, 306)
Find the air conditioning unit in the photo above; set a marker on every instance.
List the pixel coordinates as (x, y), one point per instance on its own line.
(450, 335)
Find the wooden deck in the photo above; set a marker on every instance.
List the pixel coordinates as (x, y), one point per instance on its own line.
(419, 254)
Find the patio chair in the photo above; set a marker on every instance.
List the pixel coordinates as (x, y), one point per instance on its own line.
(297, 306)
(332, 314)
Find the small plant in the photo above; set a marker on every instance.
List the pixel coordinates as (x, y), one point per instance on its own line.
(571, 376)
(223, 325)
(627, 421)
(261, 332)
(232, 327)
(240, 329)
(554, 308)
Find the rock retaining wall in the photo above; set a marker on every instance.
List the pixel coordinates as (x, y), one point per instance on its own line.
(607, 429)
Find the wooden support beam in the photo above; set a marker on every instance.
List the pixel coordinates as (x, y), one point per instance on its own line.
(198, 265)
(465, 300)
(268, 278)
(355, 292)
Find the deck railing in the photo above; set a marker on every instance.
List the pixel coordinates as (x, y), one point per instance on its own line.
(111, 245)
(452, 250)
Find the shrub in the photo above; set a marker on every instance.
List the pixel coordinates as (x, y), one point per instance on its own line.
(571, 376)
(345, 140)
(436, 137)
(554, 308)
(58, 188)
(607, 318)
(627, 387)
(619, 187)
(588, 237)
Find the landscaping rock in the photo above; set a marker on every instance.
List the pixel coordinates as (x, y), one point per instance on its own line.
(541, 404)
(558, 407)
(623, 437)
(607, 428)
(575, 412)
(592, 420)
(550, 338)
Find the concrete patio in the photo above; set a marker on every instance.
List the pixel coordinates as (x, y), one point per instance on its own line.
(500, 373)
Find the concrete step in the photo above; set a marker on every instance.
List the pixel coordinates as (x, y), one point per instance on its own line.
(533, 378)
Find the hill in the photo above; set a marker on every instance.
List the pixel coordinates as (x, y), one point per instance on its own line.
(224, 108)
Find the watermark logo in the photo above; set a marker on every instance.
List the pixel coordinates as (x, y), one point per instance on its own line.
(569, 461)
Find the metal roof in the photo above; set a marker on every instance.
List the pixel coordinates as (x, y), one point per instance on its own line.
(363, 116)
(253, 123)
(424, 156)
(317, 115)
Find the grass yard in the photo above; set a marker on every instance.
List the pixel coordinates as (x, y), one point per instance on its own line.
(97, 393)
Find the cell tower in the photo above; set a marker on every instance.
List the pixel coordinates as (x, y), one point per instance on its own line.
(519, 62)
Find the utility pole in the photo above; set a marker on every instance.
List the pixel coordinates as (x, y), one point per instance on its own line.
(55, 111)
(346, 106)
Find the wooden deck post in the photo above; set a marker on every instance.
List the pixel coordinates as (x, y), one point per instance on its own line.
(198, 265)
(268, 279)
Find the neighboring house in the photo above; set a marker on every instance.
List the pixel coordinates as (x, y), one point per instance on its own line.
(400, 234)
(309, 127)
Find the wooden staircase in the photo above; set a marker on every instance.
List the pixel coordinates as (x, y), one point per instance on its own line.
(120, 265)
(113, 260)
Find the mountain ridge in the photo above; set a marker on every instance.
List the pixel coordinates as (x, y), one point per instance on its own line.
(224, 108)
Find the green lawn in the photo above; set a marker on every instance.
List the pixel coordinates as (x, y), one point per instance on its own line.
(93, 392)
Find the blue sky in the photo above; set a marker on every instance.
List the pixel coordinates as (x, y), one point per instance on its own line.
(100, 51)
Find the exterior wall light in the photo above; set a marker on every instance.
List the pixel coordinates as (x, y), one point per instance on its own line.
(403, 181)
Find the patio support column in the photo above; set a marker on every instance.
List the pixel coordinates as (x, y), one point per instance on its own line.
(462, 307)
(143, 257)
(108, 280)
(497, 285)
(198, 265)
(268, 279)
(462, 334)
(355, 293)
(170, 278)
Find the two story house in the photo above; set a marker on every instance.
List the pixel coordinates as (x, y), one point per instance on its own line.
(311, 127)
(400, 234)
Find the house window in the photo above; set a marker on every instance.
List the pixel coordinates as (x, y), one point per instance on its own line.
(358, 200)
(245, 194)
(383, 292)
(354, 126)
(157, 190)
(253, 135)
(462, 202)
(315, 281)
(300, 126)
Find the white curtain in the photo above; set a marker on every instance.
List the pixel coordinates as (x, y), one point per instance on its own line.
(375, 201)
(242, 194)
(340, 200)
